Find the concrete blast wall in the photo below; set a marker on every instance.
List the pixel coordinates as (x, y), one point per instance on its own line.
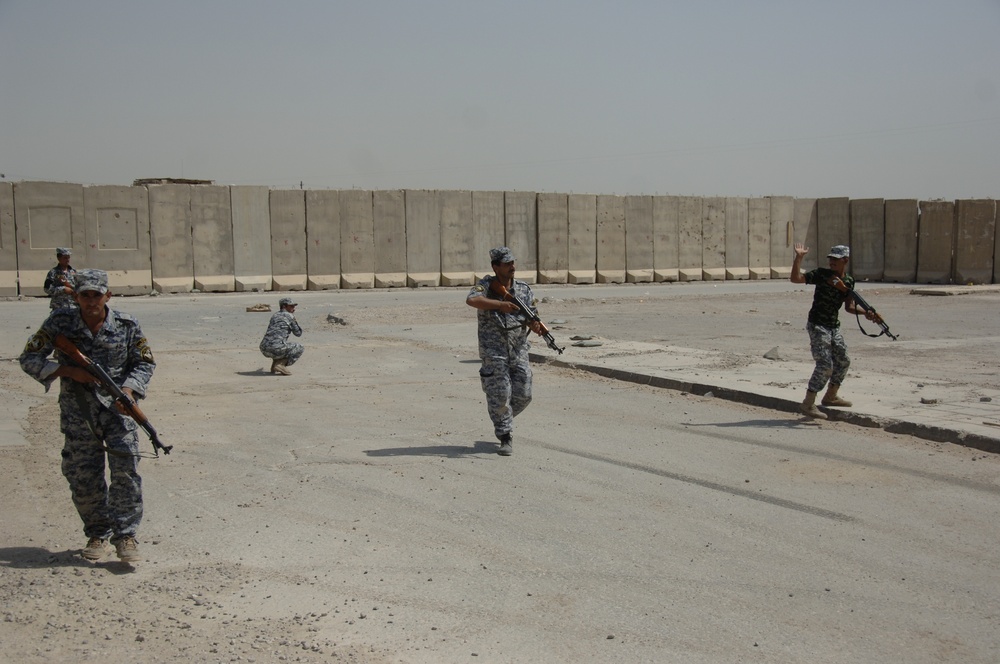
(184, 237)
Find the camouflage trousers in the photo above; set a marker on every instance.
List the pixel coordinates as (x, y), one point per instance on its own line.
(506, 381)
(109, 511)
(830, 353)
(290, 352)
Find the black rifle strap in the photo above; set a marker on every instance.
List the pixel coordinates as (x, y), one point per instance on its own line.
(858, 316)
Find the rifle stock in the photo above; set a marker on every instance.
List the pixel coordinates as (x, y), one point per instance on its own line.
(129, 405)
(505, 294)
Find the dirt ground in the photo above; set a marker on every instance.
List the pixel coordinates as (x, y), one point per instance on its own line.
(188, 604)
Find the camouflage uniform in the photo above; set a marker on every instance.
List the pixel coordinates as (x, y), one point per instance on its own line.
(56, 289)
(825, 340)
(503, 348)
(275, 344)
(89, 417)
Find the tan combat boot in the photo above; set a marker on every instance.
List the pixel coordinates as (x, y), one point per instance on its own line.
(831, 398)
(279, 367)
(809, 408)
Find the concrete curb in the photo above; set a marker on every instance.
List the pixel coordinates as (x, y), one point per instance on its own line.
(890, 425)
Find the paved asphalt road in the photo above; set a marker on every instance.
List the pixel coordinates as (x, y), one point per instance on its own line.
(359, 503)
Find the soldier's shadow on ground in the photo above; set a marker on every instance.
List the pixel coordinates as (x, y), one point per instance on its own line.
(479, 448)
(255, 372)
(760, 424)
(34, 557)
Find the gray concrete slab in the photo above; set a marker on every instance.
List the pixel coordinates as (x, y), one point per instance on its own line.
(934, 245)
(251, 237)
(611, 253)
(713, 239)
(639, 239)
(833, 225)
(357, 239)
(488, 224)
(212, 239)
(521, 232)
(323, 239)
(689, 257)
(389, 218)
(172, 256)
(867, 239)
(901, 230)
(457, 240)
(8, 243)
(782, 219)
(423, 238)
(582, 237)
(117, 220)
(289, 268)
(553, 242)
(759, 229)
(737, 239)
(665, 238)
(975, 230)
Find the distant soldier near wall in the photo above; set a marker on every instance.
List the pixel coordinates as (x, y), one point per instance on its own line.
(275, 344)
(59, 282)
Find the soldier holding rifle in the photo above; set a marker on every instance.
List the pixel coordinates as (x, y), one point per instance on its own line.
(829, 349)
(503, 344)
(59, 281)
(92, 422)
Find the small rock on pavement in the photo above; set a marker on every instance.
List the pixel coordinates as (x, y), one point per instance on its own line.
(259, 308)
(774, 354)
(928, 400)
(336, 320)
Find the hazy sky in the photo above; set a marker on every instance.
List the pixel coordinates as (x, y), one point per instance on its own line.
(869, 98)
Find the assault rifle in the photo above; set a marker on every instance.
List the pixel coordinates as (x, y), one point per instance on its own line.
(859, 301)
(505, 294)
(128, 405)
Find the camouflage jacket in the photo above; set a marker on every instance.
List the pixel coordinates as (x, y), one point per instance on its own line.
(827, 300)
(282, 324)
(55, 287)
(500, 332)
(119, 347)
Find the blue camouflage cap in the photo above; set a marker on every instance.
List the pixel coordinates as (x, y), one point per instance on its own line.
(501, 255)
(91, 280)
(64, 251)
(839, 251)
(287, 302)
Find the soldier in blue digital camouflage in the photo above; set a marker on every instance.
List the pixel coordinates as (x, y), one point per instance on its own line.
(59, 281)
(275, 344)
(92, 423)
(829, 350)
(503, 345)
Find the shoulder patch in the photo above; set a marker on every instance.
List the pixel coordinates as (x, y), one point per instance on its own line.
(145, 352)
(37, 342)
(479, 288)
